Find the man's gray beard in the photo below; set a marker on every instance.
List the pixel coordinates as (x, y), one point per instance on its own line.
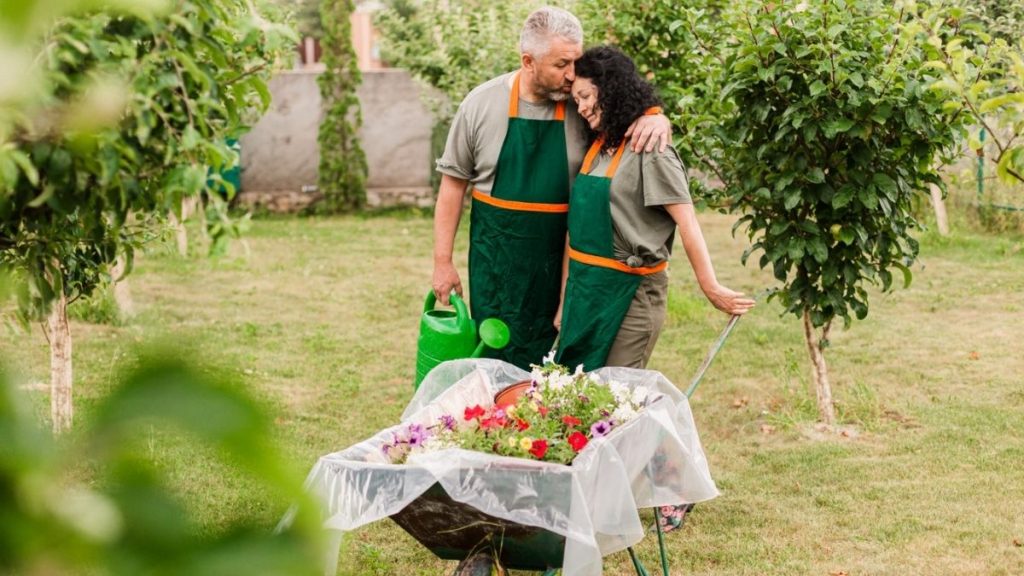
(557, 96)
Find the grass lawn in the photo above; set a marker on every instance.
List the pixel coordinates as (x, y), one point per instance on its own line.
(319, 318)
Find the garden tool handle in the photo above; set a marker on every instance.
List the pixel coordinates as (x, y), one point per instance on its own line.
(711, 354)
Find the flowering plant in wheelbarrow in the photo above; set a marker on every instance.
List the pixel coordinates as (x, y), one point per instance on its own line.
(552, 420)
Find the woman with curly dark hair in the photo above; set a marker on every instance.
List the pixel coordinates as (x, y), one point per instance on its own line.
(623, 212)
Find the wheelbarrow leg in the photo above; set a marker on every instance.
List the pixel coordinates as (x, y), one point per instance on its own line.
(640, 570)
(661, 541)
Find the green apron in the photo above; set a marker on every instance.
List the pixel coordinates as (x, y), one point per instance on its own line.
(517, 235)
(599, 289)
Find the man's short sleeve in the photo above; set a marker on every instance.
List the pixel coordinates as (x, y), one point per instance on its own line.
(664, 179)
(458, 159)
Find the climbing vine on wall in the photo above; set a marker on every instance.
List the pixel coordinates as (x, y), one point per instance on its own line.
(342, 160)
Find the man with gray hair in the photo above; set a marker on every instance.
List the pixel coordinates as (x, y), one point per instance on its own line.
(519, 141)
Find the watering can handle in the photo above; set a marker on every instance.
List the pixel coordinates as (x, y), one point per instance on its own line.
(456, 301)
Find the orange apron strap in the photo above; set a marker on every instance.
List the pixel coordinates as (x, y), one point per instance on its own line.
(592, 153)
(513, 102)
(615, 160)
(520, 206)
(603, 262)
(513, 99)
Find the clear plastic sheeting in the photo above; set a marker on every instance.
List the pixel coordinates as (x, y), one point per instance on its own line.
(655, 459)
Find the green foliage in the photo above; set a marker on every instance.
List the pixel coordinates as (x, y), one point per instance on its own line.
(131, 117)
(100, 307)
(833, 133)
(127, 520)
(982, 75)
(342, 160)
(678, 49)
(1000, 18)
(306, 14)
(453, 45)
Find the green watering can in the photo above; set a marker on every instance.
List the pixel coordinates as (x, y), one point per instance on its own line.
(452, 334)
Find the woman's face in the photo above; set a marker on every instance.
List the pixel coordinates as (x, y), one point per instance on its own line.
(585, 94)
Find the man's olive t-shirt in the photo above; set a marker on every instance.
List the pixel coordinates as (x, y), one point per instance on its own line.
(643, 184)
(479, 127)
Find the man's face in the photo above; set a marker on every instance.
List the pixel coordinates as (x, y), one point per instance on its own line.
(554, 72)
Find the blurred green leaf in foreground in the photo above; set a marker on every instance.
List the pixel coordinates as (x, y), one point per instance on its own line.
(123, 518)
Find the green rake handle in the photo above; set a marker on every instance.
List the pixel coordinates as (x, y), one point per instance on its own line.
(711, 355)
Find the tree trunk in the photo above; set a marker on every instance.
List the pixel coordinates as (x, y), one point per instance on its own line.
(940, 210)
(61, 408)
(122, 293)
(189, 206)
(180, 233)
(826, 407)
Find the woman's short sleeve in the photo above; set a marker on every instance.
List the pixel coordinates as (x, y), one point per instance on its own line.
(664, 178)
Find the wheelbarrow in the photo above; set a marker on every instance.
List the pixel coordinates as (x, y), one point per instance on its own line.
(454, 530)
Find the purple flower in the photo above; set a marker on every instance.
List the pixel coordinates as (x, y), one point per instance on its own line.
(448, 421)
(584, 399)
(600, 428)
(416, 435)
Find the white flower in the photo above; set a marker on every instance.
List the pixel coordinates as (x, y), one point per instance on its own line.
(640, 396)
(435, 443)
(620, 391)
(549, 359)
(536, 375)
(579, 370)
(624, 413)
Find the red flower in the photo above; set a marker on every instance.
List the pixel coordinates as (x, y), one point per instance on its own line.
(570, 421)
(474, 412)
(521, 424)
(577, 440)
(539, 448)
(542, 409)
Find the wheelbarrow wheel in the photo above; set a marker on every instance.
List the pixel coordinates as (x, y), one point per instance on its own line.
(480, 563)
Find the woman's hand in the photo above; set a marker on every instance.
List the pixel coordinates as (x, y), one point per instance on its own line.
(729, 301)
(558, 318)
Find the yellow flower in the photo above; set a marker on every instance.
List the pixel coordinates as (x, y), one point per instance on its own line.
(513, 442)
(526, 443)
(511, 410)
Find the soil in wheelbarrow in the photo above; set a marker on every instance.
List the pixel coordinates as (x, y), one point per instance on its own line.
(454, 530)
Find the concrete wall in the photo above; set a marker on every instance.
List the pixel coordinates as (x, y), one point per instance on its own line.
(280, 155)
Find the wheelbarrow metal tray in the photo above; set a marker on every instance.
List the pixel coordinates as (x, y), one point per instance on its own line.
(454, 530)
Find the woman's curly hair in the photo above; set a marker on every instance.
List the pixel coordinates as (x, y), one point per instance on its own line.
(622, 94)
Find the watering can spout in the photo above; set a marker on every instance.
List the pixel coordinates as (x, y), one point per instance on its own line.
(493, 334)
